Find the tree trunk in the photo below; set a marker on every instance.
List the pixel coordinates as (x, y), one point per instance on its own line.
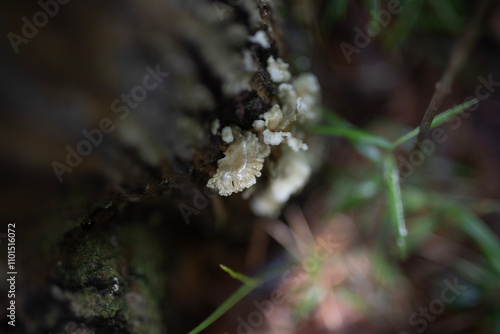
(112, 112)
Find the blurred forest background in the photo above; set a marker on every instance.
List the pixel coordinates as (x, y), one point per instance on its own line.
(107, 249)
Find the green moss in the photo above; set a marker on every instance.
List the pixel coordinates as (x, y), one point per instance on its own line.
(110, 274)
(91, 303)
(144, 255)
(90, 262)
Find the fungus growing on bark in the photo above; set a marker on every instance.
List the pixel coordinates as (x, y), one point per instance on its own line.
(296, 103)
(274, 138)
(289, 176)
(278, 70)
(241, 165)
(214, 127)
(308, 92)
(260, 38)
(227, 134)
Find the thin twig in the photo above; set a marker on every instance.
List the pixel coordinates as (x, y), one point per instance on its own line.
(459, 56)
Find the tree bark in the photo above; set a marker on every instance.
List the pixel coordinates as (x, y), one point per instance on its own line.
(142, 82)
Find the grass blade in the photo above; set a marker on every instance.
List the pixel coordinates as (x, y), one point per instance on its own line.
(450, 113)
(391, 177)
(368, 151)
(240, 277)
(334, 119)
(356, 135)
(248, 285)
(230, 302)
(477, 230)
(438, 120)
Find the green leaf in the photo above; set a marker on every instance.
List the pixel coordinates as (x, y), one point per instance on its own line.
(476, 229)
(396, 212)
(369, 152)
(334, 119)
(450, 113)
(230, 302)
(438, 120)
(353, 134)
(250, 284)
(240, 277)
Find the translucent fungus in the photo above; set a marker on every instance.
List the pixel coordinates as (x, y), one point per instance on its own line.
(241, 165)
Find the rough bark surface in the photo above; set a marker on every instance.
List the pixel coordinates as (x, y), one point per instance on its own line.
(107, 245)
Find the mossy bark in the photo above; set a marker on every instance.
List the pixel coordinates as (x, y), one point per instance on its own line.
(104, 242)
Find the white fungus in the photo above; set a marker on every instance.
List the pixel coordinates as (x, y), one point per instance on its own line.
(260, 38)
(259, 125)
(227, 134)
(214, 127)
(302, 108)
(289, 168)
(274, 138)
(248, 62)
(273, 117)
(241, 165)
(308, 91)
(291, 173)
(288, 98)
(278, 70)
(297, 144)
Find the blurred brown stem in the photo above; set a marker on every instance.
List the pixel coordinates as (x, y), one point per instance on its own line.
(459, 56)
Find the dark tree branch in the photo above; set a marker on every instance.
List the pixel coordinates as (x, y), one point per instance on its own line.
(459, 56)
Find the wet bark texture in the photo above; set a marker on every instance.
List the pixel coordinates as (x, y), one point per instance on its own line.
(108, 241)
